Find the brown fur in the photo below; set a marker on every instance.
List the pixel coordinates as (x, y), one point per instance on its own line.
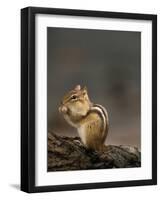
(80, 113)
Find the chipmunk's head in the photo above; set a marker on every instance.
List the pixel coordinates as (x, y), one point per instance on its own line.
(75, 103)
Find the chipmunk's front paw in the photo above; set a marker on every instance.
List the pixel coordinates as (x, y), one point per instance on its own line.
(63, 109)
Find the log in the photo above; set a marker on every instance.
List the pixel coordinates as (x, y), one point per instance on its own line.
(68, 153)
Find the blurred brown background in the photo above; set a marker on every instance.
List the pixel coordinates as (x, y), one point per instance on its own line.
(108, 63)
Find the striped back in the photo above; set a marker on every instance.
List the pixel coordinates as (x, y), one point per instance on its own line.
(103, 114)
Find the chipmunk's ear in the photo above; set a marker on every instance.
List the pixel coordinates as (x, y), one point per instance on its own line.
(77, 87)
(84, 90)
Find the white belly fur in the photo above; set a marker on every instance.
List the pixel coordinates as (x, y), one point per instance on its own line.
(82, 134)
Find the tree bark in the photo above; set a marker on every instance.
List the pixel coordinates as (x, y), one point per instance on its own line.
(68, 153)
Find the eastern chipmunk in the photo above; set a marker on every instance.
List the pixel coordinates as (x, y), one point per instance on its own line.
(91, 120)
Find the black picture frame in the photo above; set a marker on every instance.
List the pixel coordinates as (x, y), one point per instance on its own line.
(28, 99)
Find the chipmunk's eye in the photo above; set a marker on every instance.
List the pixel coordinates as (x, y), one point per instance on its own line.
(74, 97)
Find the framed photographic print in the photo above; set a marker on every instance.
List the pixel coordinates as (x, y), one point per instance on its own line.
(88, 99)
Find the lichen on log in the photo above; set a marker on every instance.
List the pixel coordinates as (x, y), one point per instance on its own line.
(68, 153)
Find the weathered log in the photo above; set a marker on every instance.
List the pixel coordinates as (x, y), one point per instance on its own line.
(68, 153)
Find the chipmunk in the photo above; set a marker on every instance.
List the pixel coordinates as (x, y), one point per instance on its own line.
(90, 120)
